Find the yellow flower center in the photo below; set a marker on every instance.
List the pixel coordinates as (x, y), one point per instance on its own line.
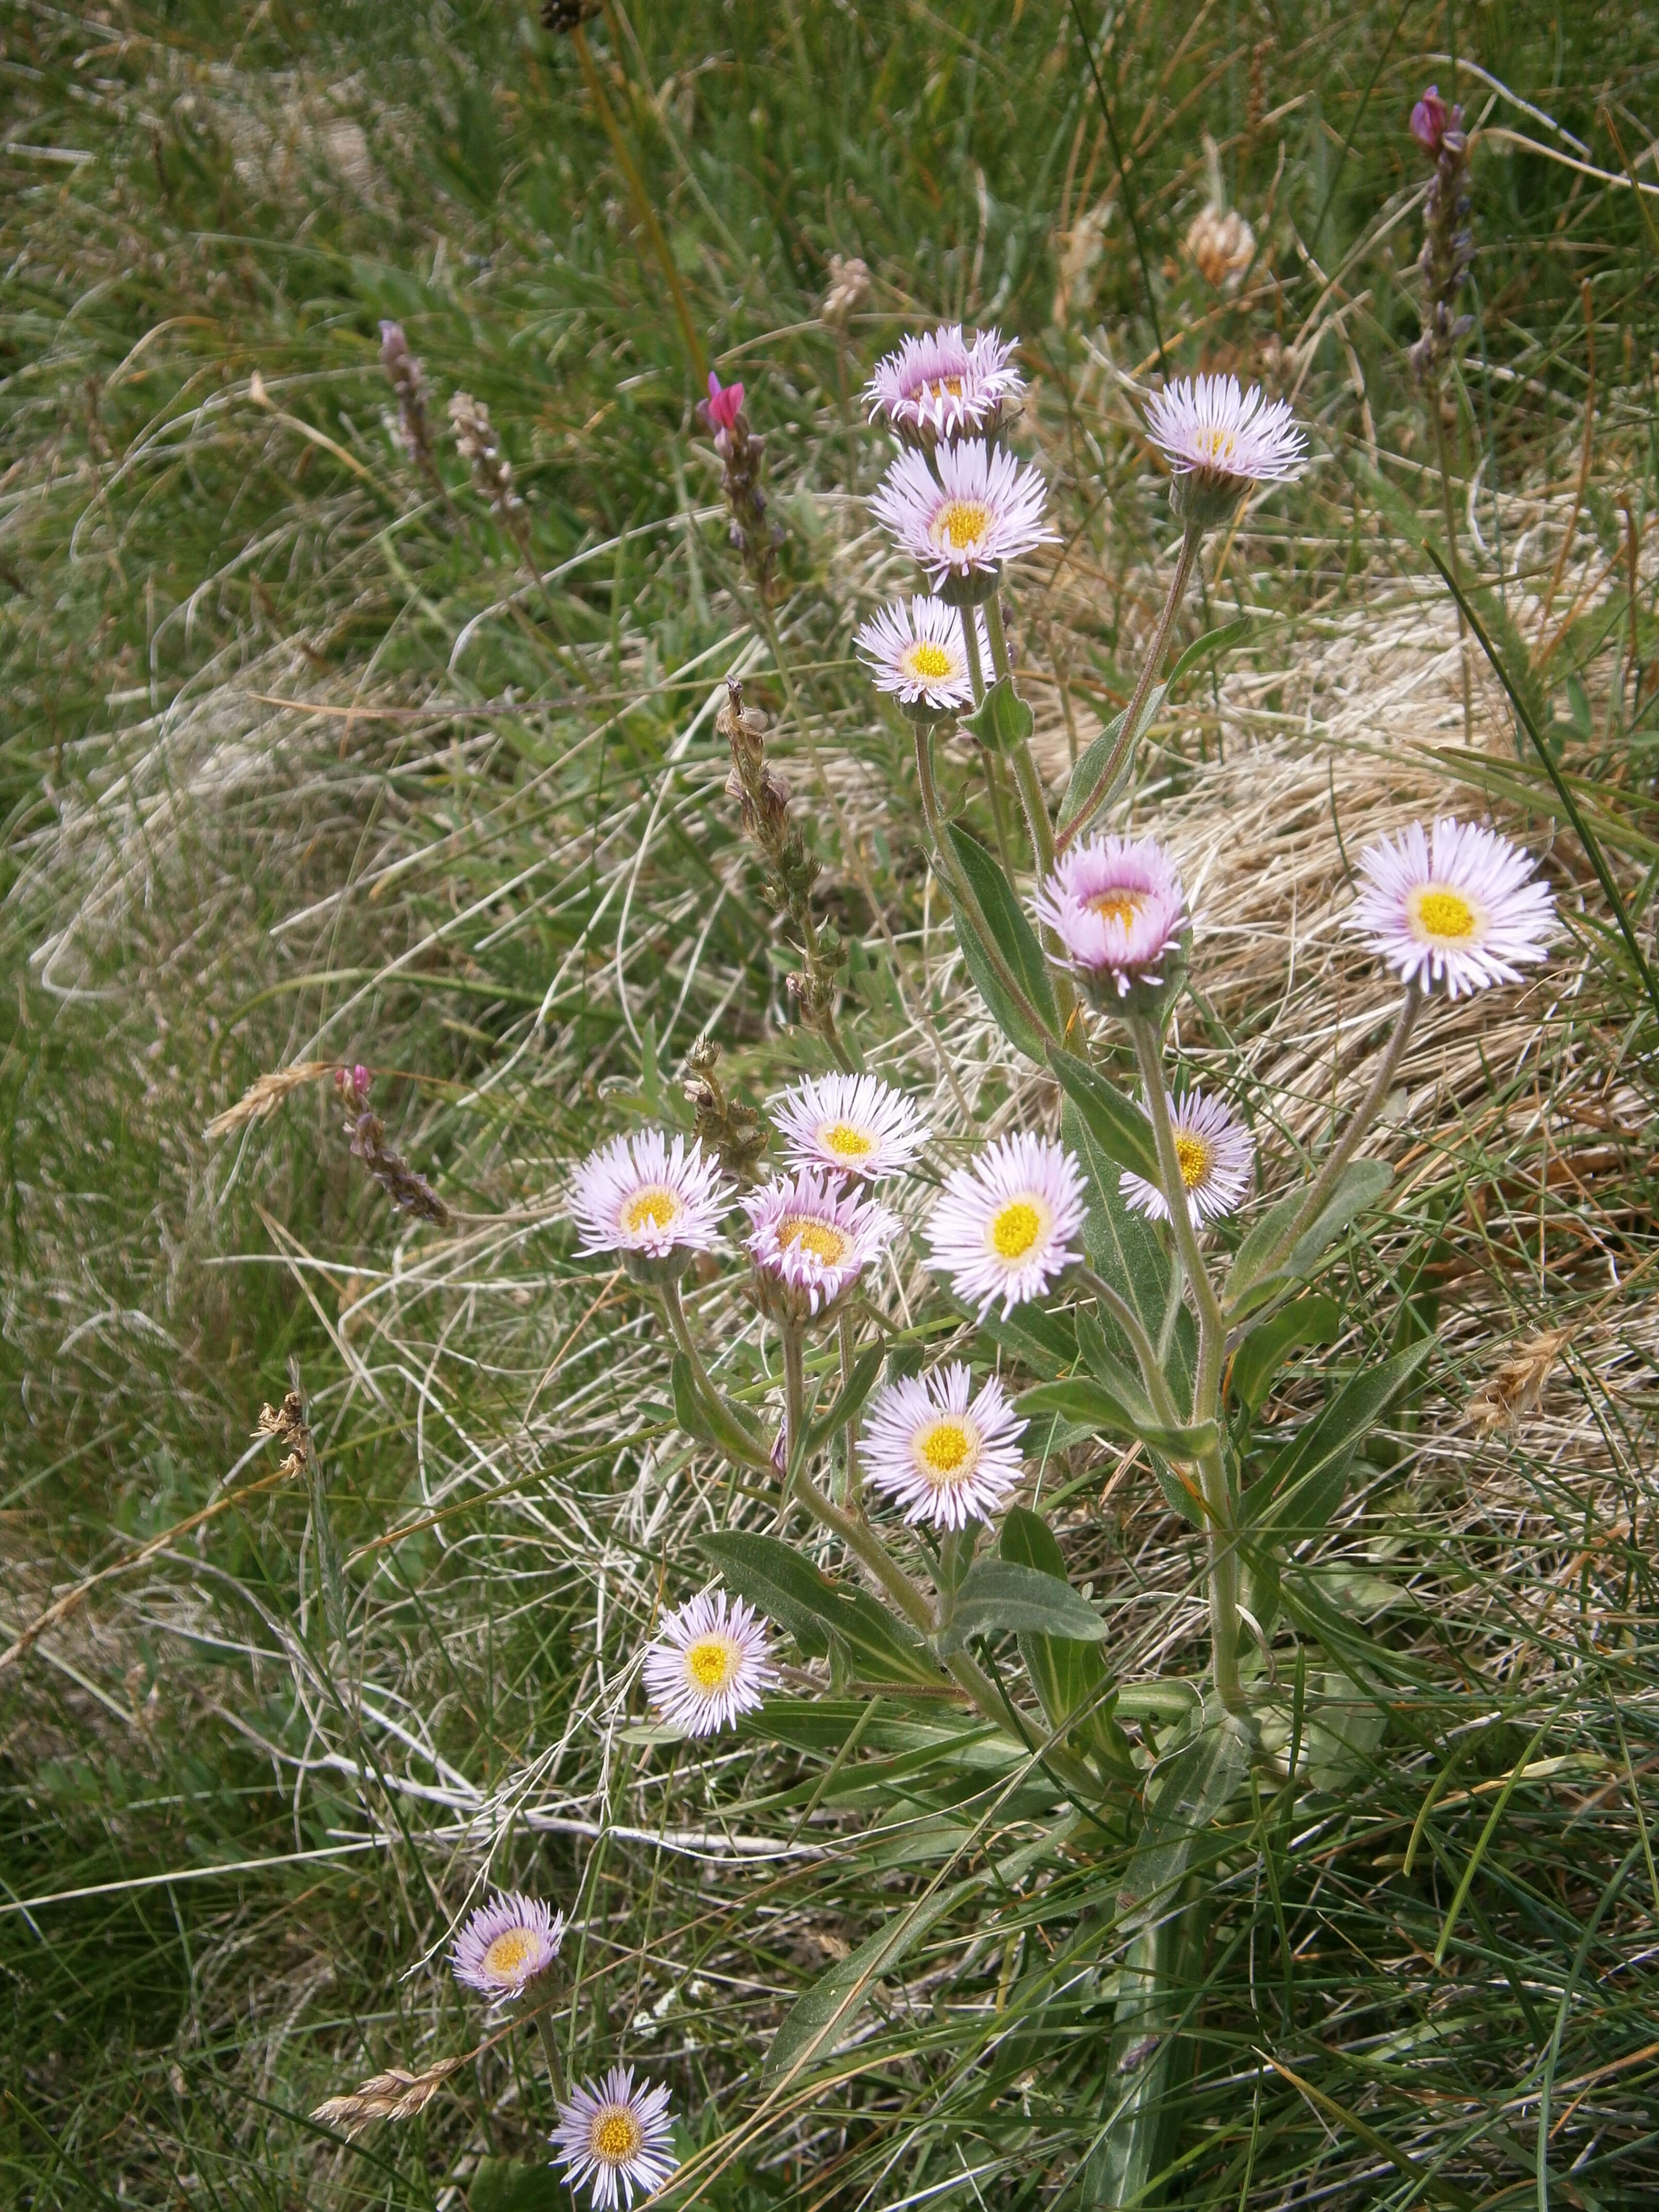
(1015, 1228)
(928, 660)
(848, 1143)
(654, 1208)
(818, 1237)
(508, 1953)
(962, 523)
(945, 1452)
(1119, 906)
(1216, 446)
(944, 386)
(711, 1663)
(615, 2135)
(1193, 1154)
(1443, 915)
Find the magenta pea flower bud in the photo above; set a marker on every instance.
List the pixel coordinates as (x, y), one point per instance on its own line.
(1431, 120)
(724, 403)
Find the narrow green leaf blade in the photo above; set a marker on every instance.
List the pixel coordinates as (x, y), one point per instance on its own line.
(1120, 1128)
(1303, 1486)
(827, 2009)
(1314, 1319)
(1001, 1594)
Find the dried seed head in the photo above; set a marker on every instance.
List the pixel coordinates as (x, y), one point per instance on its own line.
(1222, 244)
(266, 1093)
(393, 2095)
(849, 287)
(1517, 1385)
(476, 443)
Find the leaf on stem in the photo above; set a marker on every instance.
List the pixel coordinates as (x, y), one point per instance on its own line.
(1002, 721)
(1068, 1672)
(1314, 1319)
(1092, 763)
(1116, 1124)
(827, 2009)
(1030, 1020)
(1304, 1485)
(788, 1590)
(711, 1420)
(1000, 1595)
(1257, 1274)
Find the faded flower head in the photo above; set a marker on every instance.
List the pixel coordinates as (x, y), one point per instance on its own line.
(1457, 905)
(476, 443)
(914, 650)
(506, 1945)
(1215, 1154)
(811, 1237)
(1222, 244)
(942, 1453)
(1118, 908)
(1001, 1227)
(1220, 439)
(965, 514)
(939, 385)
(712, 1662)
(849, 289)
(852, 1125)
(639, 1194)
(616, 2138)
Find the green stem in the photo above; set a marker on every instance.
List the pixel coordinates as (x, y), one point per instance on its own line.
(681, 1328)
(551, 2052)
(1450, 512)
(1150, 1060)
(970, 650)
(850, 1487)
(794, 1396)
(1100, 788)
(1145, 1351)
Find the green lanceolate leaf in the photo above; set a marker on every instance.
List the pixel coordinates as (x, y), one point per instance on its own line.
(1314, 1319)
(1183, 1797)
(773, 1576)
(824, 2012)
(1002, 720)
(1079, 1398)
(1124, 1247)
(1068, 1674)
(1303, 1486)
(1041, 1339)
(879, 1648)
(1120, 1128)
(711, 1420)
(1027, 1015)
(849, 1398)
(1093, 760)
(1213, 640)
(999, 1596)
(1261, 1267)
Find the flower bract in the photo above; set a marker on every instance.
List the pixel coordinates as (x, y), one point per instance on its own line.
(507, 1944)
(712, 1662)
(914, 649)
(854, 1124)
(615, 2138)
(1117, 906)
(1220, 439)
(1215, 1154)
(1001, 1227)
(940, 383)
(1456, 905)
(982, 509)
(811, 1237)
(641, 1193)
(943, 1453)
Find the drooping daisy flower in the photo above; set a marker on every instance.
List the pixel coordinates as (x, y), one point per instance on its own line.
(507, 1944)
(712, 1662)
(1216, 1154)
(854, 1124)
(1000, 1227)
(944, 1457)
(1457, 904)
(638, 1194)
(982, 509)
(617, 2137)
(1220, 440)
(810, 1238)
(1118, 908)
(939, 383)
(914, 649)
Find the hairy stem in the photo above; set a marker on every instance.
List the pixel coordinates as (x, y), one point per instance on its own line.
(850, 1487)
(794, 1395)
(551, 2052)
(970, 650)
(1447, 503)
(1145, 1353)
(1102, 783)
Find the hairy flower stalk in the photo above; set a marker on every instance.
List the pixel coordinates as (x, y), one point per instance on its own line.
(754, 537)
(408, 1189)
(404, 372)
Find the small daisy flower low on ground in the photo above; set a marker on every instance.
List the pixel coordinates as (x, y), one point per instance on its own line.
(811, 1237)
(1001, 1227)
(616, 2138)
(1216, 1154)
(941, 1453)
(506, 1945)
(939, 386)
(1118, 907)
(914, 650)
(1457, 905)
(712, 1662)
(1220, 440)
(854, 1124)
(639, 1194)
(982, 509)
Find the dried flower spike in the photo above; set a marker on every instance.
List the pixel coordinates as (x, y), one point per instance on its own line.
(1448, 239)
(393, 2095)
(266, 1093)
(404, 371)
(849, 289)
(407, 1188)
(743, 458)
(476, 443)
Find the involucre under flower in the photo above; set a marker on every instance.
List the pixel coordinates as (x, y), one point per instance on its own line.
(1215, 1154)
(854, 1124)
(639, 1194)
(712, 1662)
(811, 1237)
(1457, 905)
(914, 650)
(982, 509)
(506, 1945)
(616, 2138)
(1117, 906)
(938, 384)
(1001, 1227)
(944, 1455)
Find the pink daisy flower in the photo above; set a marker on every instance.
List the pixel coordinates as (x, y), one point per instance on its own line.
(852, 1125)
(506, 1945)
(914, 650)
(1118, 908)
(812, 1238)
(1457, 905)
(639, 1194)
(616, 2138)
(999, 1229)
(939, 383)
(982, 509)
(942, 1456)
(1220, 439)
(1216, 1154)
(712, 1662)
